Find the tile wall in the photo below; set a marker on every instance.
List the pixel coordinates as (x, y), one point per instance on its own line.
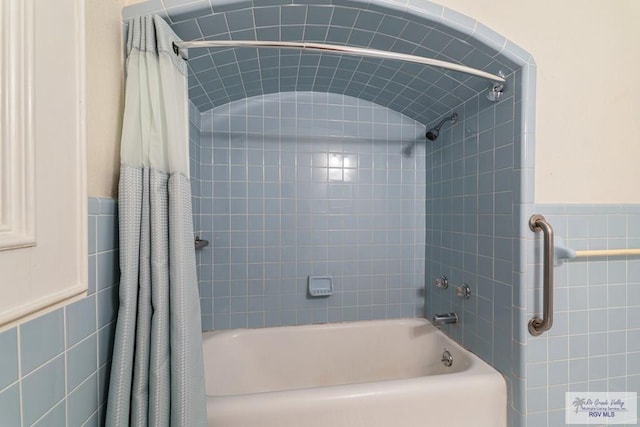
(218, 76)
(594, 344)
(472, 185)
(54, 369)
(300, 183)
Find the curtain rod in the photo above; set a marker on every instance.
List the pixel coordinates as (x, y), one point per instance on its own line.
(347, 50)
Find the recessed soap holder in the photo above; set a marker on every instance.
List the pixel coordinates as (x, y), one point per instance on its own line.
(320, 286)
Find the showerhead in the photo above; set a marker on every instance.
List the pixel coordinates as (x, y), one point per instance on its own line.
(432, 134)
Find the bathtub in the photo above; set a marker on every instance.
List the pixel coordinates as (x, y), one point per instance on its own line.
(385, 373)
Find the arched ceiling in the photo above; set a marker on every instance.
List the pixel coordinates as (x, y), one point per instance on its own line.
(221, 75)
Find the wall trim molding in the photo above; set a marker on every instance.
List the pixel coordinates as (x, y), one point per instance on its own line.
(17, 150)
(43, 257)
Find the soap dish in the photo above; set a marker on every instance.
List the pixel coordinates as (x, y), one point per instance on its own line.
(320, 286)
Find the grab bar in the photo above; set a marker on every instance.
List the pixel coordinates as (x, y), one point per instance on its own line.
(537, 325)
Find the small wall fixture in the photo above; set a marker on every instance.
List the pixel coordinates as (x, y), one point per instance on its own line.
(320, 286)
(201, 243)
(463, 291)
(496, 90)
(441, 282)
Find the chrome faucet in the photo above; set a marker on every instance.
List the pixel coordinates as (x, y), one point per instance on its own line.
(445, 319)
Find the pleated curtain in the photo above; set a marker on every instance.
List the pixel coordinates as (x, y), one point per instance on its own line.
(157, 373)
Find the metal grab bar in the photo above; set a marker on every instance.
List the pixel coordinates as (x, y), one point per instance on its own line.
(537, 325)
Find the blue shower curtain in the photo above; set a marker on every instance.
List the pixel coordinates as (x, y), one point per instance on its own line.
(157, 373)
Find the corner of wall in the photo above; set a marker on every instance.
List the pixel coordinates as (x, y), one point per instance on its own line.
(105, 95)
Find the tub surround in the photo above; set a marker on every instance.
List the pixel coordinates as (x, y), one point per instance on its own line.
(472, 184)
(498, 264)
(54, 369)
(219, 76)
(304, 184)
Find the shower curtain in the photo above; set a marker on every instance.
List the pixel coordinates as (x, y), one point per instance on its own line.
(157, 372)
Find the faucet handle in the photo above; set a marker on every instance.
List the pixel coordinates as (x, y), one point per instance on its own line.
(463, 291)
(441, 282)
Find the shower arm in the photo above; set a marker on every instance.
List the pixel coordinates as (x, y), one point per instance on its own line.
(347, 50)
(453, 119)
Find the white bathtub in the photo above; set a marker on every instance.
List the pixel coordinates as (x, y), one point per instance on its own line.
(384, 373)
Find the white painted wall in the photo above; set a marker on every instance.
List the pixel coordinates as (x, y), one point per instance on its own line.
(105, 98)
(587, 133)
(588, 97)
(105, 94)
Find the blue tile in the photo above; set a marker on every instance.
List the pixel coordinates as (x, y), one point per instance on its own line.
(537, 400)
(107, 306)
(558, 372)
(92, 224)
(319, 15)
(8, 357)
(188, 12)
(41, 339)
(344, 17)
(107, 269)
(91, 270)
(597, 273)
(10, 406)
(489, 37)
(616, 367)
(56, 417)
(103, 383)
(105, 343)
(142, 8)
(616, 226)
(187, 30)
(213, 24)
(633, 314)
(93, 206)
(83, 401)
(80, 320)
(94, 420)
(368, 20)
(106, 232)
(633, 225)
(202, 63)
(42, 390)
(578, 370)
(266, 16)
(292, 15)
(224, 6)
(174, 3)
(240, 20)
(516, 53)
(108, 206)
(82, 361)
(633, 363)
(458, 18)
(537, 374)
(597, 368)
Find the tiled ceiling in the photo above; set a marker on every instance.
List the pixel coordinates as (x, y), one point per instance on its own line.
(221, 75)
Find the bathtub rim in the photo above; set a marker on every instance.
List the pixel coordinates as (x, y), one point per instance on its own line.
(477, 367)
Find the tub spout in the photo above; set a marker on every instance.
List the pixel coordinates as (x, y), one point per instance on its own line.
(445, 319)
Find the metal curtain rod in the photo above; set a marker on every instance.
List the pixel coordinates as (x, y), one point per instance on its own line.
(347, 50)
